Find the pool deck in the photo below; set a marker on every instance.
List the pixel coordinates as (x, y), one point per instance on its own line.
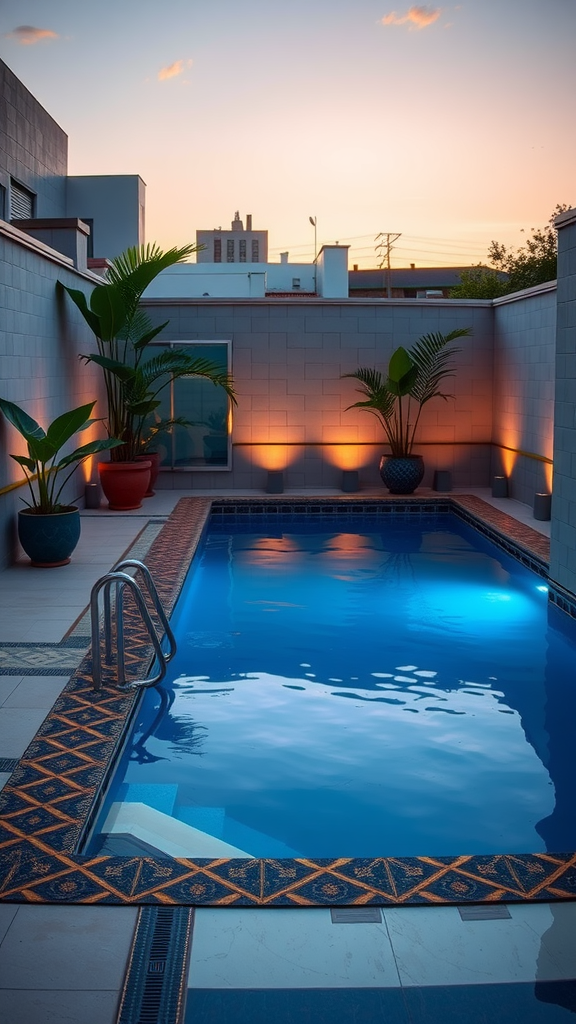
(67, 962)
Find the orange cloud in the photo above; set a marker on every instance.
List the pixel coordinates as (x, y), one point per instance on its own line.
(415, 17)
(28, 35)
(173, 70)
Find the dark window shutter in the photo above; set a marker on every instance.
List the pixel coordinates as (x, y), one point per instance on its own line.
(21, 202)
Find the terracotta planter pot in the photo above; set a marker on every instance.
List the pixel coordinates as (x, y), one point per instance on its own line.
(154, 458)
(401, 474)
(124, 483)
(49, 540)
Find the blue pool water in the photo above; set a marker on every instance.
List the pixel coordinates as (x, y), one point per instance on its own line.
(377, 690)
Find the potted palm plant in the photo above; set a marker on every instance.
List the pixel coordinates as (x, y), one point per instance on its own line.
(132, 381)
(48, 529)
(148, 448)
(397, 398)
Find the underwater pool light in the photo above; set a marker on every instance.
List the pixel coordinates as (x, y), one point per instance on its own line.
(542, 589)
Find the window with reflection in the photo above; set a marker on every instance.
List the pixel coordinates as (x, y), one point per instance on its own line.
(191, 429)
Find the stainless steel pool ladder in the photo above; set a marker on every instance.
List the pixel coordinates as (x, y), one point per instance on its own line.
(119, 579)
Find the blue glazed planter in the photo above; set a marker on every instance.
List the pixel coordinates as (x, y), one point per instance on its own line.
(401, 474)
(49, 540)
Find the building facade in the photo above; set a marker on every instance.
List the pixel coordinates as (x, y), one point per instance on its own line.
(238, 245)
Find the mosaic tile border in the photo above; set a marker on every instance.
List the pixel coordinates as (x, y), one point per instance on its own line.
(54, 791)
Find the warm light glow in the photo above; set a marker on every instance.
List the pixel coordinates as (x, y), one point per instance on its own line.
(344, 456)
(88, 468)
(508, 461)
(275, 456)
(548, 473)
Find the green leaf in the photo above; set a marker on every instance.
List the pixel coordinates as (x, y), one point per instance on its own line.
(147, 338)
(109, 305)
(92, 448)
(24, 423)
(24, 462)
(400, 365)
(79, 299)
(143, 408)
(65, 426)
(41, 449)
(119, 369)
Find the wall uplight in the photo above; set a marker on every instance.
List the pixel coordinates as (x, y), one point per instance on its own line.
(442, 480)
(500, 487)
(542, 506)
(350, 482)
(275, 482)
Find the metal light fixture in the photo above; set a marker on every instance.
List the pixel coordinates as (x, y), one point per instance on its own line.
(542, 506)
(500, 487)
(314, 223)
(350, 482)
(275, 482)
(442, 480)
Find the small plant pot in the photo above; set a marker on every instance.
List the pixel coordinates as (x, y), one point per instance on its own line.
(154, 458)
(49, 540)
(402, 474)
(124, 483)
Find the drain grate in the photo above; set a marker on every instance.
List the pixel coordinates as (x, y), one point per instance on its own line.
(356, 915)
(156, 979)
(486, 912)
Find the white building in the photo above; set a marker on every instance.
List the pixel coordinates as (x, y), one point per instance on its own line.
(239, 245)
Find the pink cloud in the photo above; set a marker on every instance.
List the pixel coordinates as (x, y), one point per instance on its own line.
(28, 35)
(173, 70)
(415, 17)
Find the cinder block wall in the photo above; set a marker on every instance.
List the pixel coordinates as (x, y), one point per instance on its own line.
(523, 390)
(39, 347)
(288, 358)
(33, 147)
(563, 534)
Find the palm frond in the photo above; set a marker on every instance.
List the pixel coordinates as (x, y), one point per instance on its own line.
(433, 355)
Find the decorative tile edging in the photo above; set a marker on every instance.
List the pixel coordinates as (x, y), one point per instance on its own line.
(54, 791)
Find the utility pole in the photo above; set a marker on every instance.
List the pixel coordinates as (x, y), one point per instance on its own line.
(385, 248)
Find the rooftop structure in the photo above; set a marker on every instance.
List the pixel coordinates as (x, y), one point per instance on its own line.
(238, 245)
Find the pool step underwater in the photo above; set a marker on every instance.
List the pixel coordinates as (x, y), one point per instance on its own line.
(172, 837)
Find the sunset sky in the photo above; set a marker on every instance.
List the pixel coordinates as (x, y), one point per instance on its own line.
(453, 125)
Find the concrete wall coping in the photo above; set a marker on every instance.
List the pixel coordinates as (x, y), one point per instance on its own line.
(28, 242)
(302, 302)
(526, 293)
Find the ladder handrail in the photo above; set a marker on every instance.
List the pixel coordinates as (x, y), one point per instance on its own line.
(134, 563)
(121, 580)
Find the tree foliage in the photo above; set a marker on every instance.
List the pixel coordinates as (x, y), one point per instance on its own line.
(512, 269)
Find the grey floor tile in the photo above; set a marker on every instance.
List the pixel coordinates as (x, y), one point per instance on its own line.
(67, 948)
(7, 686)
(8, 912)
(17, 730)
(36, 692)
(37, 1007)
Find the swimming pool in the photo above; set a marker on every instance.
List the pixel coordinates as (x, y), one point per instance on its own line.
(413, 695)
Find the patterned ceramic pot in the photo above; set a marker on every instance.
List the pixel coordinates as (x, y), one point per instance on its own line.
(49, 540)
(402, 474)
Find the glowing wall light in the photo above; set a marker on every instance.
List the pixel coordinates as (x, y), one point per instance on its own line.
(342, 455)
(275, 456)
(548, 474)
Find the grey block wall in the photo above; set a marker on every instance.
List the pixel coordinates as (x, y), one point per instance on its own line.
(288, 357)
(563, 534)
(33, 147)
(523, 390)
(40, 342)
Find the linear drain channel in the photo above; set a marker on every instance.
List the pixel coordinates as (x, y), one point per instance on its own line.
(356, 915)
(156, 978)
(486, 912)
